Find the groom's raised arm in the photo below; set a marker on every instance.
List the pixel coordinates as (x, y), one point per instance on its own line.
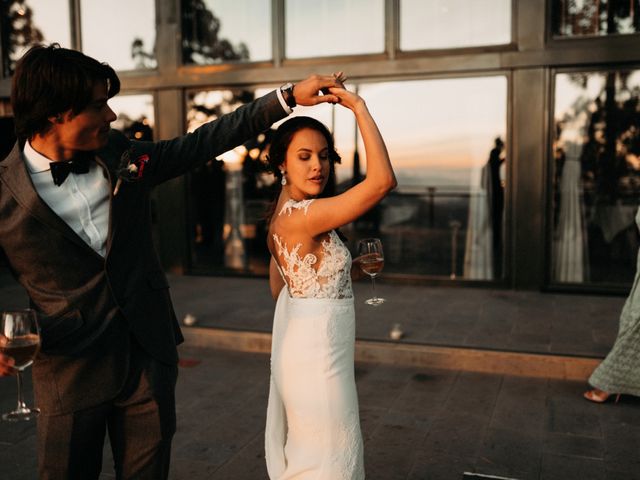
(171, 158)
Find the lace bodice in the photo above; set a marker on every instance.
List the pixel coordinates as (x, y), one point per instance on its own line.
(306, 278)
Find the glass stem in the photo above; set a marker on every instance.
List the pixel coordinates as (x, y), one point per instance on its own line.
(373, 287)
(21, 404)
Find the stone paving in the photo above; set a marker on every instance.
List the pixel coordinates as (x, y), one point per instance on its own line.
(417, 423)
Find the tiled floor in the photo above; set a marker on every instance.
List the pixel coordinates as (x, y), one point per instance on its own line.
(417, 424)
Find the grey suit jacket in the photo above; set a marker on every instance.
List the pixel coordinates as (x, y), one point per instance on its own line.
(89, 305)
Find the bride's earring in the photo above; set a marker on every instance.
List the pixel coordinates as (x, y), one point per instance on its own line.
(283, 182)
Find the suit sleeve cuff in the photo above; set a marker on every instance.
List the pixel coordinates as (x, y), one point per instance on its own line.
(286, 107)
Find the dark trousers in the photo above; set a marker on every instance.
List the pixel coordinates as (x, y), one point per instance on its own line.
(140, 421)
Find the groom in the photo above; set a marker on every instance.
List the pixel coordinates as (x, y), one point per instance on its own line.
(75, 227)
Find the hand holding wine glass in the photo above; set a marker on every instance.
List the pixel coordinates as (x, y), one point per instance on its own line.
(371, 260)
(20, 340)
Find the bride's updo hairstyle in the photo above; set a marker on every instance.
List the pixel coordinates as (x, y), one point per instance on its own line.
(281, 140)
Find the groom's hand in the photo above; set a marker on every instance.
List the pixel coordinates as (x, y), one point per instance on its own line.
(315, 89)
(6, 366)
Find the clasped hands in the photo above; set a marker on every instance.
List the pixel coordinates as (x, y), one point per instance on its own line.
(322, 89)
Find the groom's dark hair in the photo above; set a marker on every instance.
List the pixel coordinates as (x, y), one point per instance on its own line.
(50, 80)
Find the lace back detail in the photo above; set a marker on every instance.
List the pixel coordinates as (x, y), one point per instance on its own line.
(305, 276)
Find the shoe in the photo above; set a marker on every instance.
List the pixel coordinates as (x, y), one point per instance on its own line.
(600, 396)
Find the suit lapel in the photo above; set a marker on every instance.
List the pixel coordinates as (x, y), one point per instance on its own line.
(15, 177)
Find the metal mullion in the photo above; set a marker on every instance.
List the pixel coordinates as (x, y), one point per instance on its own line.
(392, 27)
(277, 32)
(508, 250)
(549, 172)
(514, 22)
(75, 24)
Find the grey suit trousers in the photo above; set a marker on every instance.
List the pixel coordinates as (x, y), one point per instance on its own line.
(140, 422)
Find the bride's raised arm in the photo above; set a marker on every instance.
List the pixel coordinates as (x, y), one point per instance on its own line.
(329, 213)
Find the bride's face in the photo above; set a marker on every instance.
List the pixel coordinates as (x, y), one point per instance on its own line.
(307, 164)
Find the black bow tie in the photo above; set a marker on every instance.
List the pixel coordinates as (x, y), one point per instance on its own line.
(61, 170)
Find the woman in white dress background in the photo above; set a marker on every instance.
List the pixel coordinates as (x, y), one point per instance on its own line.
(313, 427)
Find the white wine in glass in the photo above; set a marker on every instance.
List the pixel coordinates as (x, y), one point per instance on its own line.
(20, 339)
(371, 262)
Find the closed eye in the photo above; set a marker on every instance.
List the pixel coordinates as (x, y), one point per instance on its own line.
(305, 154)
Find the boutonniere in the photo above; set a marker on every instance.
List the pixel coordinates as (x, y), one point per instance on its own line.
(130, 170)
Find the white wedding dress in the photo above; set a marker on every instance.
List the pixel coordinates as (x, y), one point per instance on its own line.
(313, 425)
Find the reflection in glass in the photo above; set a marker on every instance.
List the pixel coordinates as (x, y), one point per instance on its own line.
(333, 27)
(28, 22)
(225, 30)
(227, 195)
(435, 24)
(135, 115)
(595, 17)
(446, 141)
(133, 47)
(597, 177)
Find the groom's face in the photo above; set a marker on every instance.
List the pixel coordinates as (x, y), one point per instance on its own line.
(88, 129)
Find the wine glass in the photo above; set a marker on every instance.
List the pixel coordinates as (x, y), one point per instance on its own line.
(371, 263)
(20, 339)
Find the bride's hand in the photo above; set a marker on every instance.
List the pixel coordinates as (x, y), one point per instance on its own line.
(347, 99)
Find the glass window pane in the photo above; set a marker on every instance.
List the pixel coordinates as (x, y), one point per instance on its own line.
(217, 31)
(596, 186)
(436, 24)
(446, 142)
(595, 17)
(228, 196)
(135, 115)
(449, 160)
(133, 46)
(333, 27)
(29, 22)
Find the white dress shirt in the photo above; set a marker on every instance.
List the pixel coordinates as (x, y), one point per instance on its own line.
(82, 201)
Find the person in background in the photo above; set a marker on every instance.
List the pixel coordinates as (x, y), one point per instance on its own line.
(619, 372)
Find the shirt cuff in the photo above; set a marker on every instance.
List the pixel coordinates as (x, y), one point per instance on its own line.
(283, 103)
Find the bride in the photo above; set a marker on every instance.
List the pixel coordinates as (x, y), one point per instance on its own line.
(313, 426)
